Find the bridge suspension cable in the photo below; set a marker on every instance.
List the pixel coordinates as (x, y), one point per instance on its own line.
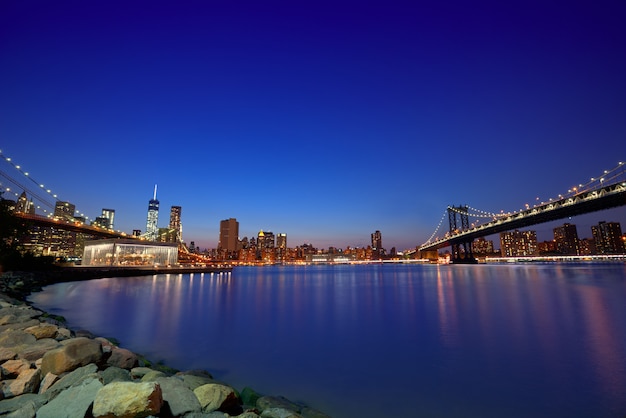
(437, 229)
(25, 189)
(41, 186)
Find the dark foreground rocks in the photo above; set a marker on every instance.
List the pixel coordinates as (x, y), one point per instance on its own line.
(46, 371)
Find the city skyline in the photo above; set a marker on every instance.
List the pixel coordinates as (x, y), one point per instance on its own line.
(325, 122)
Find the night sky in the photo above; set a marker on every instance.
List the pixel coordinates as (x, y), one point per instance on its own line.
(322, 120)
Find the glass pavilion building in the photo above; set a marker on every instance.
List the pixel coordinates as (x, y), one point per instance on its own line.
(129, 253)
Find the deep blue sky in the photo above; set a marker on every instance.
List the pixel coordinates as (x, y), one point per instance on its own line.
(323, 120)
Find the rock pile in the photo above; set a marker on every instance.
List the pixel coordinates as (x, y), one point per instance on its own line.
(47, 371)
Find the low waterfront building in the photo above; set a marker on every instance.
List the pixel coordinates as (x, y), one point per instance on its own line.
(128, 253)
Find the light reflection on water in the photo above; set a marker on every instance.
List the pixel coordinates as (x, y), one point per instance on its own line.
(370, 341)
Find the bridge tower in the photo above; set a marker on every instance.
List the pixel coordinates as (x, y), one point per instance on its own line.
(460, 213)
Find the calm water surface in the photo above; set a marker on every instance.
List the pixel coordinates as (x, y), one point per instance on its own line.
(381, 340)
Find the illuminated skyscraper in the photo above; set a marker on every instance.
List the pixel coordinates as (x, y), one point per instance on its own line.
(175, 223)
(265, 240)
(106, 219)
(23, 205)
(281, 241)
(152, 230)
(377, 241)
(64, 210)
(229, 235)
(518, 243)
(608, 238)
(109, 214)
(566, 239)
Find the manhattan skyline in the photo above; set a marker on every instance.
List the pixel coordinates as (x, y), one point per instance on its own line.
(326, 122)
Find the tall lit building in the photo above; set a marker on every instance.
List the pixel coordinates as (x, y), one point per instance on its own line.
(377, 241)
(608, 238)
(566, 239)
(175, 223)
(23, 205)
(518, 243)
(152, 230)
(482, 246)
(229, 235)
(64, 210)
(265, 239)
(106, 219)
(109, 215)
(281, 241)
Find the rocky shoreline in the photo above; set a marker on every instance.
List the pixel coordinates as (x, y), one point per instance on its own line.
(50, 371)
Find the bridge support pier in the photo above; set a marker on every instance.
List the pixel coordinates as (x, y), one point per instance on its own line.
(462, 250)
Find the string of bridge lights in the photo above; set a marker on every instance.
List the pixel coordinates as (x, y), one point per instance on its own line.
(41, 186)
(607, 176)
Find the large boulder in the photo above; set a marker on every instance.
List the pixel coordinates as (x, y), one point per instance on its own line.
(217, 397)
(43, 330)
(128, 400)
(178, 396)
(194, 380)
(14, 404)
(16, 339)
(10, 369)
(74, 353)
(72, 402)
(73, 378)
(123, 358)
(279, 413)
(7, 354)
(114, 374)
(37, 349)
(27, 382)
(268, 402)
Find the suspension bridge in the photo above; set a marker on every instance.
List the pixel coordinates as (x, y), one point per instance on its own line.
(603, 192)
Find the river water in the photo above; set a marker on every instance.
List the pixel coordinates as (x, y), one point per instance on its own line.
(514, 340)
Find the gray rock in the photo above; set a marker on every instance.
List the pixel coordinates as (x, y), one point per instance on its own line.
(308, 412)
(73, 378)
(13, 404)
(16, 338)
(128, 399)
(214, 396)
(72, 354)
(139, 372)
(179, 397)
(279, 413)
(114, 374)
(63, 334)
(19, 325)
(37, 349)
(27, 411)
(193, 381)
(73, 402)
(15, 314)
(267, 402)
(152, 376)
